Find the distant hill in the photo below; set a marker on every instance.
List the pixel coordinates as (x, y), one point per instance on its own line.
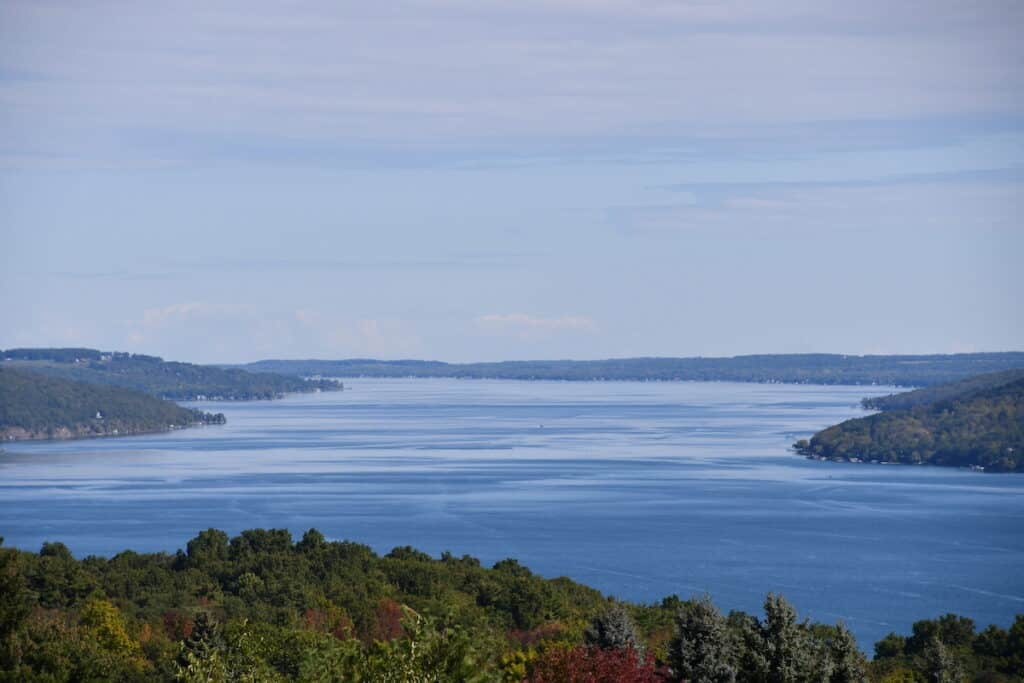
(943, 392)
(36, 406)
(157, 377)
(791, 368)
(975, 423)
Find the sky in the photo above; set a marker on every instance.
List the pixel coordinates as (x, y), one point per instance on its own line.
(463, 180)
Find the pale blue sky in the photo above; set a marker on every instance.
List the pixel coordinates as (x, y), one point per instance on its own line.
(533, 179)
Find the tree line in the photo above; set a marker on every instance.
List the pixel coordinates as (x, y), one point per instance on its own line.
(810, 368)
(153, 375)
(963, 389)
(263, 607)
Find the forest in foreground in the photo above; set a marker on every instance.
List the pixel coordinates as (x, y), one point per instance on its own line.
(262, 607)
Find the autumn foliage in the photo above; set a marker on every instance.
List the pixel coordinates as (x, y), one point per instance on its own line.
(388, 621)
(534, 636)
(593, 665)
(260, 607)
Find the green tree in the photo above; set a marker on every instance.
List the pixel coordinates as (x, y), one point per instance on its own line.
(203, 644)
(209, 548)
(15, 606)
(429, 653)
(15, 599)
(788, 649)
(702, 649)
(109, 649)
(893, 645)
(1015, 647)
(311, 541)
(939, 664)
(613, 629)
(848, 665)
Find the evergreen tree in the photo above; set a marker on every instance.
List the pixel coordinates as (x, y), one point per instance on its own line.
(203, 644)
(15, 602)
(939, 663)
(311, 541)
(748, 638)
(15, 606)
(702, 649)
(613, 629)
(848, 665)
(788, 649)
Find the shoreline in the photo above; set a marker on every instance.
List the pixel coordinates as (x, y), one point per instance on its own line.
(66, 434)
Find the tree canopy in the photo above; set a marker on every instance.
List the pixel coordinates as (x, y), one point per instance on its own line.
(972, 424)
(961, 390)
(261, 607)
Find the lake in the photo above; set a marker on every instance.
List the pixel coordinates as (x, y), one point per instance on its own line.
(638, 489)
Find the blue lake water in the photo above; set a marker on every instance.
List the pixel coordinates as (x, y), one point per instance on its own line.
(639, 489)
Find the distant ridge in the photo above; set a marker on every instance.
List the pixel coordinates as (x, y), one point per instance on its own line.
(965, 388)
(157, 377)
(918, 370)
(37, 406)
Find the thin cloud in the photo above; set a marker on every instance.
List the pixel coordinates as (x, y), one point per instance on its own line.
(221, 330)
(165, 315)
(521, 324)
(255, 82)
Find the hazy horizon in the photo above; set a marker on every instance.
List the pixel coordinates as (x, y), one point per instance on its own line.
(542, 179)
(572, 359)
(400, 359)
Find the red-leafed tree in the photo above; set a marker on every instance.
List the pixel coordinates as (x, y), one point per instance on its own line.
(333, 620)
(593, 665)
(387, 621)
(177, 625)
(537, 635)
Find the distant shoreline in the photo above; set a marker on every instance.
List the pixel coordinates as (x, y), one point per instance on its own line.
(39, 407)
(976, 423)
(814, 369)
(609, 380)
(18, 435)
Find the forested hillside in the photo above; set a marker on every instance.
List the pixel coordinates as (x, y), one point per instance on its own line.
(260, 607)
(792, 368)
(35, 406)
(964, 425)
(943, 392)
(155, 376)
